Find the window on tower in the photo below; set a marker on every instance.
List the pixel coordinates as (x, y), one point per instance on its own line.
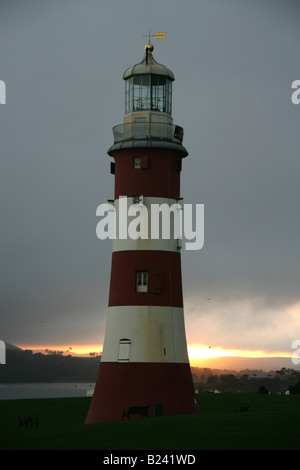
(149, 281)
(142, 281)
(138, 200)
(137, 162)
(124, 350)
(140, 162)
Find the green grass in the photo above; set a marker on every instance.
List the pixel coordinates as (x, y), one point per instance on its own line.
(272, 422)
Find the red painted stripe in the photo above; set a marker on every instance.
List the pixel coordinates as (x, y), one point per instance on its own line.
(160, 179)
(120, 386)
(123, 278)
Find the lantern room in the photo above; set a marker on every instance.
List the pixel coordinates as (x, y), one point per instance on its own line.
(148, 90)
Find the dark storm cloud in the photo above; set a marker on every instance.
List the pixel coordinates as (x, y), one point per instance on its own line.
(234, 63)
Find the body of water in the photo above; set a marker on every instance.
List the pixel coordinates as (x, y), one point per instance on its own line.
(45, 390)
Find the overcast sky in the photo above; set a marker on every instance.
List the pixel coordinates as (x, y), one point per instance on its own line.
(234, 62)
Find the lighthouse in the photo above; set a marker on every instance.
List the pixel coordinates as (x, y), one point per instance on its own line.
(144, 365)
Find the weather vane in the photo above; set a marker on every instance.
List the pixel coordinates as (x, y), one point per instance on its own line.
(156, 35)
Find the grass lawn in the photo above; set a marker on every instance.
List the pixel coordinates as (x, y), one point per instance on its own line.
(272, 422)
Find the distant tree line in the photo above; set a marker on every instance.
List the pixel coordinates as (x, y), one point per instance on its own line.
(26, 366)
(274, 382)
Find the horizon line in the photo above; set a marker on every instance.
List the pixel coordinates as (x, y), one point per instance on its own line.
(195, 351)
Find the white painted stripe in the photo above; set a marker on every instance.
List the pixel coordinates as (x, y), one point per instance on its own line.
(123, 240)
(145, 334)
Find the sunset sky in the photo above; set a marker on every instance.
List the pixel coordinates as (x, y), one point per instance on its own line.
(234, 62)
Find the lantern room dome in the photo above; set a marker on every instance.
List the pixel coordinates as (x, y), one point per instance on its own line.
(148, 66)
(148, 121)
(148, 88)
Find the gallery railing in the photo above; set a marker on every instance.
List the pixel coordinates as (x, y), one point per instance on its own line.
(148, 130)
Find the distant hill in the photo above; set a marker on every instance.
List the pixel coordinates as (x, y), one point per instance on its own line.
(27, 367)
(12, 346)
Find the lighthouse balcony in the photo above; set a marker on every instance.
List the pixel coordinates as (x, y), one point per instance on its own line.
(148, 130)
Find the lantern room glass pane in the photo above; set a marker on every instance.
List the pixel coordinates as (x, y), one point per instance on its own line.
(148, 92)
(158, 95)
(141, 92)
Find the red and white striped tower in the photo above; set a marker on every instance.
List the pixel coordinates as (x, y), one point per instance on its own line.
(145, 360)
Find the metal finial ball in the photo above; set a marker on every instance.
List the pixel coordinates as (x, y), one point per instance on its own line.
(149, 46)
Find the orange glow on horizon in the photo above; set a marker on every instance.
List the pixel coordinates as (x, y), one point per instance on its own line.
(76, 349)
(198, 351)
(195, 351)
